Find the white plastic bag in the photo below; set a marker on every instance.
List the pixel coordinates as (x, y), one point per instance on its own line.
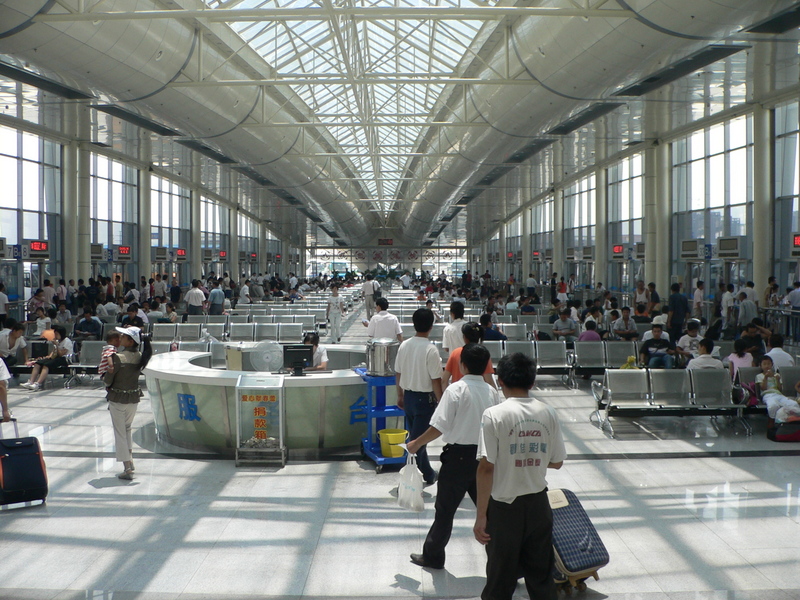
(409, 491)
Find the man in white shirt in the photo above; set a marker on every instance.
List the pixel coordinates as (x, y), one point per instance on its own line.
(195, 299)
(384, 324)
(704, 360)
(780, 358)
(418, 372)
(458, 419)
(697, 300)
(520, 439)
(12, 340)
(726, 305)
(530, 284)
(244, 293)
(452, 337)
(405, 280)
(334, 312)
(160, 287)
(292, 281)
(368, 290)
(3, 305)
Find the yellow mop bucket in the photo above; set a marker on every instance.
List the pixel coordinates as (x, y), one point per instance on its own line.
(389, 440)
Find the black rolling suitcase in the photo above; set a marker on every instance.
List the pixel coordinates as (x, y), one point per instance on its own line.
(579, 551)
(23, 477)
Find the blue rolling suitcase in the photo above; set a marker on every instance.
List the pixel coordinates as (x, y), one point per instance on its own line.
(23, 477)
(579, 551)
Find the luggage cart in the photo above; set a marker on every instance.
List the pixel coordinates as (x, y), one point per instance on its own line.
(377, 412)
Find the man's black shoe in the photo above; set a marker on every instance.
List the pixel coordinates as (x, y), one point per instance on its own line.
(418, 559)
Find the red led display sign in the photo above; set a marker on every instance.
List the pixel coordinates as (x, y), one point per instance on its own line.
(124, 250)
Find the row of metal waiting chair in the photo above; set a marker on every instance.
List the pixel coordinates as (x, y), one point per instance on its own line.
(666, 392)
(234, 332)
(308, 320)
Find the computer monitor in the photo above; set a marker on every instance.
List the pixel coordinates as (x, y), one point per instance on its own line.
(297, 356)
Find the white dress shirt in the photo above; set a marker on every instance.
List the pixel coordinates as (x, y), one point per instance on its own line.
(452, 337)
(458, 414)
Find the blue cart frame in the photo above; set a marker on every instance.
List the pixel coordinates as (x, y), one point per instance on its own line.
(377, 412)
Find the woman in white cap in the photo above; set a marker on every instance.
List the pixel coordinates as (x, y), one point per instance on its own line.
(122, 385)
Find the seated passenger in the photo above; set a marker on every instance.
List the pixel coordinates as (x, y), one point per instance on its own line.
(640, 316)
(657, 352)
(489, 333)
(132, 318)
(625, 327)
(12, 340)
(739, 358)
(688, 345)
(63, 316)
(779, 356)
(590, 334)
(55, 360)
(565, 328)
(42, 322)
(704, 360)
(89, 327)
(320, 362)
(769, 381)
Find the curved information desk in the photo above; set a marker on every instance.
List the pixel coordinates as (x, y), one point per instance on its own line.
(194, 406)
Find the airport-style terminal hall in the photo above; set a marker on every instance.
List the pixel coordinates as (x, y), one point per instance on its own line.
(490, 147)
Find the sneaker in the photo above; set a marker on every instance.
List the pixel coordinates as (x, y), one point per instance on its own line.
(127, 474)
(25, 384)
(34, 387)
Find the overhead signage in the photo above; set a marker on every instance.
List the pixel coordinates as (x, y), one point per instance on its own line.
(385, 241)
(618, 252)
(181, 255)
(97, 252)
(223, 254)
(36, 249)
(123, 254)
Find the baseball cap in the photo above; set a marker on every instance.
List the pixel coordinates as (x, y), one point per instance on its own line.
(132, 332)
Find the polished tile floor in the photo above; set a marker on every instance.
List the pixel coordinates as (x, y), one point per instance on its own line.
(688, 511)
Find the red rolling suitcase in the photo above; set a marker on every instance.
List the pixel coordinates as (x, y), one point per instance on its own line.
(23, 477)
(579, 551)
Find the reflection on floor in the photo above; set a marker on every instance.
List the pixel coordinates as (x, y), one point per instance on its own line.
(688, 511)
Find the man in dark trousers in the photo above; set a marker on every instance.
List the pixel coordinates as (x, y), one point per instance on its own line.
(418, 372)
(520, 439)
(678, 307)
(457, 419)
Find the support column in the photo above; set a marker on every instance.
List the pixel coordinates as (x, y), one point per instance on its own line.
(262, 249)
(763, 169)
(196, 234)
(69, 214)
(525, 245)
(558, 209)
(233, 228)
(145, 198)
(601, 246)
(502, 276)
(657, 216)
(84, 224)
(484, 261)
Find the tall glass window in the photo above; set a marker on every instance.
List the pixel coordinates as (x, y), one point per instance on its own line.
(170, 213)
(114, 203)
(625, 194)
(214, 225)
(579, 213)
(712, 185)
(787, 189)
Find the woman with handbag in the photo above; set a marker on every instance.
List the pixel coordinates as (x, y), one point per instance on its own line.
(122, 385)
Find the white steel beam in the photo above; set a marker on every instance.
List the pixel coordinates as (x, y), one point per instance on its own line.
(487, 13)
(343, 80)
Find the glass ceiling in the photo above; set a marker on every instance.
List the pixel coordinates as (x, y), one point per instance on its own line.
(377, 91)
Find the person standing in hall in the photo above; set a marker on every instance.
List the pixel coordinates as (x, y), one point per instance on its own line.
(457, 419)
(334, 312)
(452, 337)
(123, 392)
(520, 439)
(195, 298)
(418, 372)
(368, 289)
(678, 308)
(216, 299)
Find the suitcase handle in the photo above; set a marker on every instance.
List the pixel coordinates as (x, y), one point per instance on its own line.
(16, 427)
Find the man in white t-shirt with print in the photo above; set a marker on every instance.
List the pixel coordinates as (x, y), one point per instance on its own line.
(520, 439)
